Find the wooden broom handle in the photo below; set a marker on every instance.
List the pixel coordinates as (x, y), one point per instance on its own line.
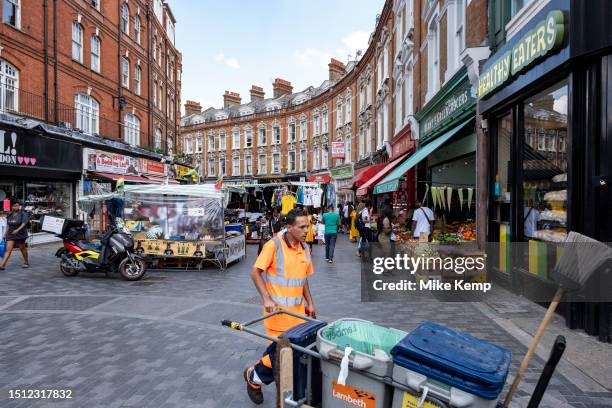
(534, 344)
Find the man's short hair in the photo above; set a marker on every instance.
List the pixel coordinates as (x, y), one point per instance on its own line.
(293, 214)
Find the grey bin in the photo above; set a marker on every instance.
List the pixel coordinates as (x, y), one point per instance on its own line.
(371, 354)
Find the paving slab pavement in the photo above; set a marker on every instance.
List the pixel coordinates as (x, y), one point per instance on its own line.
(121, 344)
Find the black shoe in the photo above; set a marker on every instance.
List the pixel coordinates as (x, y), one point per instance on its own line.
(254, 392)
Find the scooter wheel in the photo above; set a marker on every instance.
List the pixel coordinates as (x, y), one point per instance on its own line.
(132, 270)
(67, 270)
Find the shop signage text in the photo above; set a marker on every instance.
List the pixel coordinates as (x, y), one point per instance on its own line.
(338, 150)
(545, 38)
(342, 172)
(153, 167)
(98, 160)
(28, 149)
(454, 104)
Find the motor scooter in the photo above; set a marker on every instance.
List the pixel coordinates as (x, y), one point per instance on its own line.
(114, 253)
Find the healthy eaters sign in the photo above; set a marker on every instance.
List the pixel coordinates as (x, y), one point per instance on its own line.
(542, 40)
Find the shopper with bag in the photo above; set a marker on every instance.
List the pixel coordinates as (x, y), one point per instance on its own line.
(16, 234)
(422, 221)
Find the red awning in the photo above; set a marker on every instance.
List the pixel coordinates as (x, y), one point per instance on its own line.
(365, 173)
(161, 180)
(126, 177)
(320, 178)
(365, 187)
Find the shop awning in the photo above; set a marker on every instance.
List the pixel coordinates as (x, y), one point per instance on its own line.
(320, 178)
(161, 180)
(368, 185)
(364, 174)
(391, 182)
(126, 177)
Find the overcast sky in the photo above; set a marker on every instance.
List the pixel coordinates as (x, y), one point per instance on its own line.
(233, 44)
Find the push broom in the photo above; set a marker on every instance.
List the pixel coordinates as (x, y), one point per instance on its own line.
(580, 257)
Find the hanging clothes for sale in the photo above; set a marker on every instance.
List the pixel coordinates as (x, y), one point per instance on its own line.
(317, 196)
(330, 196)
(287, 203)
(300, 195)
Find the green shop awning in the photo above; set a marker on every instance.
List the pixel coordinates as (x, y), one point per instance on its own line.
(391, 182)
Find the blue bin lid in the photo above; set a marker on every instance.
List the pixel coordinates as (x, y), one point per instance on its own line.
(455, 358)
(303, 332)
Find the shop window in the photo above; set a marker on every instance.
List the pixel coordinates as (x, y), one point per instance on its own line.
(47, 198)
(544, 170)
(77, 42)
(9, 84)
(501, 191)
(87, 112)
(11, 12)
(132, 130)
(125, 18)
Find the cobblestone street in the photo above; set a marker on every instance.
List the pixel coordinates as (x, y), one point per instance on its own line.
(158, 342)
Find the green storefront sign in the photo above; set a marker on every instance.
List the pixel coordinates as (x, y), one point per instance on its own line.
(545, 38)
(451, 105)
(342, 172)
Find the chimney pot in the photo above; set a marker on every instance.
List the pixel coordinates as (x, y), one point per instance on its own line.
(281, 87)
(192, 107)
(257, 93)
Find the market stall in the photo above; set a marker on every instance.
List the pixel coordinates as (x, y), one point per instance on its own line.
(185, 222)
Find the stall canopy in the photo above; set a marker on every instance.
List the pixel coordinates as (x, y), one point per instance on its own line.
(364, 174)
(365, 188)
(161, 180)
(128, 178)
(391, 182)
(202, 190)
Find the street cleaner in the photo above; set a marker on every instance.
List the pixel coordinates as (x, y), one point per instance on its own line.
(280, 275)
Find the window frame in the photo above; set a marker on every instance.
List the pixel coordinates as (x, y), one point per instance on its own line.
(125, 72)
(125, 19)
(137, 79)
(9, 87)
(77, 29)
(275, 168)
(95, 56)
(263, 162)
(17, 8)
(131, 129)
(158, 138)
(137, 28)
(88, 108)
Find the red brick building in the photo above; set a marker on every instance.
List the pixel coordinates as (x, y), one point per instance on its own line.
(107, 68)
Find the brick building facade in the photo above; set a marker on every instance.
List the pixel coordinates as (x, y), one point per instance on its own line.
(291, 133)
(107, 68)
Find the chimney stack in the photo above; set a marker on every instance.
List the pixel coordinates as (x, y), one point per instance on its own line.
(281, 87)
(336, 70)
(192, 107)
(231, 99)
(257, 93)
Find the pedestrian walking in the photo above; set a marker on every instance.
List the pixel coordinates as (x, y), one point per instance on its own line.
(16, 234)
(353, 233)
(386, 234)
(422, 221)
(280, 275)
(331, 220)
